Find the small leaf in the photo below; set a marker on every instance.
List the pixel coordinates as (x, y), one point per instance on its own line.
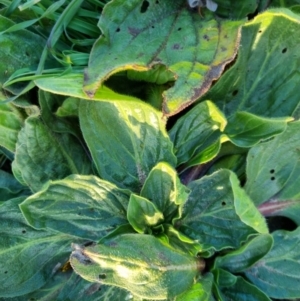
(69, 107)
(43, 155)
(210, 217)
(192, 48)
(245, 129)
(143, 214)
(259, 82)
(243, 290)
(28, 257)
(200, 291)
(139, 263)
(164, 189)
(126, 139)
(277, 274)
(194, 133)
(272, 172)
(11, 122)
(223, 278)
(247, 255)
(83, 206)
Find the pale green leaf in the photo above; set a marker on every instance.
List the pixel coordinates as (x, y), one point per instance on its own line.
(11, 122)
(139, 35)
(126, 140)
(143, 214)
(139, 263)
(277, 274)
(163, 188)
(83, 206)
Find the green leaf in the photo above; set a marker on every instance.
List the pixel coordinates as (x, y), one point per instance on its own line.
(143, 214)
(232, 9)
(19, 49)
(70, 84)
(277, 274)
(247, 255)
(43, 155)
(195, 132)
(163, 188)
(275, 174)
(200, 291)
(245, 207)
(126, 139)
(69, 107)
(83, 206)
(195, 49)
(181, 242)
(245, 129)
(11, 122)
(218, 214)
(65, 286)
(243, 290)
(28, 257)
(223, 278)
(10, 187)
(260, 82)
(139, 263)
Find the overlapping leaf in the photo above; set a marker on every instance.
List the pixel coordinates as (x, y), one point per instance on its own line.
(139, 263)
(43, 155)
(260, 82)
(140, 34)
(11, 122)
(126, 139)
(83, 206)
(28, 257)
(273, 176)
(218, 213)
(277, 274)
(197, 134)
(164, 189)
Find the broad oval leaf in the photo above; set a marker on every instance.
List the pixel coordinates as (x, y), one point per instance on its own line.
(243, 290)
(83, 206)
(259, 82)
(29, 257)
(139, 263)
(275, 174)
(163, 188)
(245, 129)
(195, 49)
(277, 274)
(194, 133)
(11, 122)
(143, 214)
(218, 214)
(126, 139)
(43, 155)
(246, 256)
